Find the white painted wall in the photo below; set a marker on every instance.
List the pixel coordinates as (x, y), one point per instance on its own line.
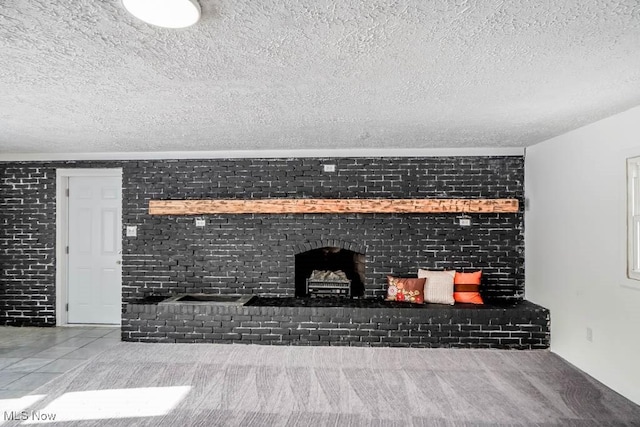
(576, 248)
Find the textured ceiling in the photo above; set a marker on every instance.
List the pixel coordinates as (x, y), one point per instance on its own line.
(84, 76)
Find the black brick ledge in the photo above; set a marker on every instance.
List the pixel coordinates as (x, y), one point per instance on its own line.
(521, 326)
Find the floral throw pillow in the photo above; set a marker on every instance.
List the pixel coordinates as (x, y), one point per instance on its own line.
(405, 289)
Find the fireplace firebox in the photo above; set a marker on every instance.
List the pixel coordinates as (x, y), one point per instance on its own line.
(330, 259)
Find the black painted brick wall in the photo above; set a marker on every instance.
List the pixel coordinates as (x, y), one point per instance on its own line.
(523, 326)
(27, 239)
(255, 253)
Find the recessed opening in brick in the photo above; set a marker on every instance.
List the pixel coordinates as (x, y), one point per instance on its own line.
(330, 259)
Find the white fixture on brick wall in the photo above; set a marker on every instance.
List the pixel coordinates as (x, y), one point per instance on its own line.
(200, 222)
(464, 220)
(329, 168)
(132, 231)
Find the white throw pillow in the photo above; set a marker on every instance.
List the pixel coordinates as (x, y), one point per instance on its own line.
(438, 288)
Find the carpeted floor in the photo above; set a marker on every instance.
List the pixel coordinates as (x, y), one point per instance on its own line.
(249, 385)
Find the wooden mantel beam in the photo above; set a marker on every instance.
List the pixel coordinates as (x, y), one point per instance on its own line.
(331, 206)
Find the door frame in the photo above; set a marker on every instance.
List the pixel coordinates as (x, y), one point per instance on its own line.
(62, 232)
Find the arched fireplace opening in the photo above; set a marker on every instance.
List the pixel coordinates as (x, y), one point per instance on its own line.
(330, 259)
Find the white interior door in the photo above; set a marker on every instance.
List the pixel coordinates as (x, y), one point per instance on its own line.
(95, 242)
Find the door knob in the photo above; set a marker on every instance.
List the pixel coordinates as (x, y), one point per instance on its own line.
(119, 262)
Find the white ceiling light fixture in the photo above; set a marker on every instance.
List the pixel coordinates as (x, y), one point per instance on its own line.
(165, 13)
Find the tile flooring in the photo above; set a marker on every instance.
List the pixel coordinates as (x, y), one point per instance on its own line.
(31, 357)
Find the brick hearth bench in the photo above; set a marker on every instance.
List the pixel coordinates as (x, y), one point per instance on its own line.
(522, 325)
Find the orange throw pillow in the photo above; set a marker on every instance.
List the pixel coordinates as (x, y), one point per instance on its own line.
(466, 287)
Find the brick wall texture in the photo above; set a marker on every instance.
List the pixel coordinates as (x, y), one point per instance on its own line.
(255, 254)
(524, 326)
